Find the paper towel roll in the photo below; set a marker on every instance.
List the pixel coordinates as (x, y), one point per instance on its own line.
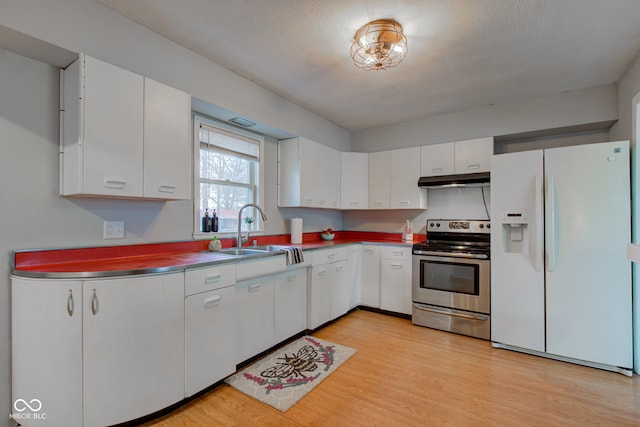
(296, 230)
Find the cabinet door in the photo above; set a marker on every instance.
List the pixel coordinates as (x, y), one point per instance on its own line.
(329, 178)
(254, 327)
(112, 130)
(379, 180)
(46, 331)
(395, 285)
(340, 289)
(167, 145)
(354, 181)
(311, 172)
(354, 274)
(289, 173)
(210, 339)
(370, 275)
(405, 172)
(473, 155)
(290, 304)
(133, 347)
(437, 159)
(319, 297)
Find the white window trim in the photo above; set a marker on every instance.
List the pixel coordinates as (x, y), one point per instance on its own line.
(258, 225)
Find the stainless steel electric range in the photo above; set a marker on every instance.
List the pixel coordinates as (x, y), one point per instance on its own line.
(451, 277)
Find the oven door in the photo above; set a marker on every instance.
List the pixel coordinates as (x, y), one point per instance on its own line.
(458, 283)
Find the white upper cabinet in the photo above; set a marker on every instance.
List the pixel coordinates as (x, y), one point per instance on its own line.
(102, 130)
(469, 156)
(167, 146)
(437, 159)
(308, 174)
(393, 180)
(354, 181)
(473, 155)
(106, 148)
(379, 180)
(404, 173)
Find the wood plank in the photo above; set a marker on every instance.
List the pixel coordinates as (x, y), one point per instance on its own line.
(409, 375)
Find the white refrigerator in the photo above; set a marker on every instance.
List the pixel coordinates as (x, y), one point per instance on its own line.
(560, 277)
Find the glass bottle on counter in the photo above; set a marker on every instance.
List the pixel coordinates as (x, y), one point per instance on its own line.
(214, 222)
(206, 222)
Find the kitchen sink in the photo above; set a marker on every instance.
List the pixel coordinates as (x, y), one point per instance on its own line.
(243, 251)
(268, 248)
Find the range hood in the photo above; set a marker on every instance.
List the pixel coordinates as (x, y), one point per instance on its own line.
(459, 180)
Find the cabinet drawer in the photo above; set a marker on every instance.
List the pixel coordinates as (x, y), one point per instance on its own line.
(207, 279)
(325, 256)
(396, 252)
(260, 267)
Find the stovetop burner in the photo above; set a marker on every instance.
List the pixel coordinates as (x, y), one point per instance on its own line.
(463, 237)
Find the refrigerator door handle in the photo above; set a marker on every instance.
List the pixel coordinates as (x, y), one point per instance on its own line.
(536, 240)
(550, 237)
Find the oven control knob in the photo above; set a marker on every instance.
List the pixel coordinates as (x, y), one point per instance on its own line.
(488, 225)
(481, 225)
(431, 225)
(437, 224)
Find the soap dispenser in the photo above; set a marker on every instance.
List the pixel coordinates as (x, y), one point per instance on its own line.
(407, 232)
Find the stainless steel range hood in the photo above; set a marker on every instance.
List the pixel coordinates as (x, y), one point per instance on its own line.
(459, 180)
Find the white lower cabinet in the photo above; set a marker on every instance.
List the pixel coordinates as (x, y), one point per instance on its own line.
(395, 279)
(290, 304)
(46, 351)
(354, 274)
(254, 317)
(340, 289)
(210, 335)
(89, 351)
(370, 276)
(133, 353)
(319, 307)
(329, 293)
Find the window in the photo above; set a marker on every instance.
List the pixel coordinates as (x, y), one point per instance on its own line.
(228, 161)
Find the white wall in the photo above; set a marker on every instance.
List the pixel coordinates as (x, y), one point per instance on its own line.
(592, 105)
(34, 216)
(86, 26)
(567, 109)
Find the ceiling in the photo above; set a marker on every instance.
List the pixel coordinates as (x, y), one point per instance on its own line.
(463, 54)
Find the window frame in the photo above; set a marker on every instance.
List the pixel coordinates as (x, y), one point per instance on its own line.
(258, 225)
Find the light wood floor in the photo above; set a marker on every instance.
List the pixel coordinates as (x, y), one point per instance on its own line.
(405, 375)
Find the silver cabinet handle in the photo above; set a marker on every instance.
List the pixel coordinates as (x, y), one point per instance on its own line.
(167, 189)
(94, 303)
(70, 303)
(212, 302)
(213, 278)
(115, 183)
(254, 288)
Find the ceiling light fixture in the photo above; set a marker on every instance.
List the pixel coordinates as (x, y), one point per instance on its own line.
(379, 45)
(242, 122)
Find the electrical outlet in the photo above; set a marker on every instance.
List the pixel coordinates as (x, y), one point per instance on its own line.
(113, 230)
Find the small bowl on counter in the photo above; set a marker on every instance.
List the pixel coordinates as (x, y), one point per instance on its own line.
(327, 236)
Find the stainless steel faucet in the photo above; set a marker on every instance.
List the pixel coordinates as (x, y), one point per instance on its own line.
(239, 238)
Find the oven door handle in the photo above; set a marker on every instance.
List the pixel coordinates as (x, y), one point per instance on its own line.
(451, 313)
(450, 254)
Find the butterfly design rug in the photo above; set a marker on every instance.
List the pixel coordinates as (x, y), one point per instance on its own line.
(289, 373)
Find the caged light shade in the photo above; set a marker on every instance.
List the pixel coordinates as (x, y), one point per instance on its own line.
(379, 45)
